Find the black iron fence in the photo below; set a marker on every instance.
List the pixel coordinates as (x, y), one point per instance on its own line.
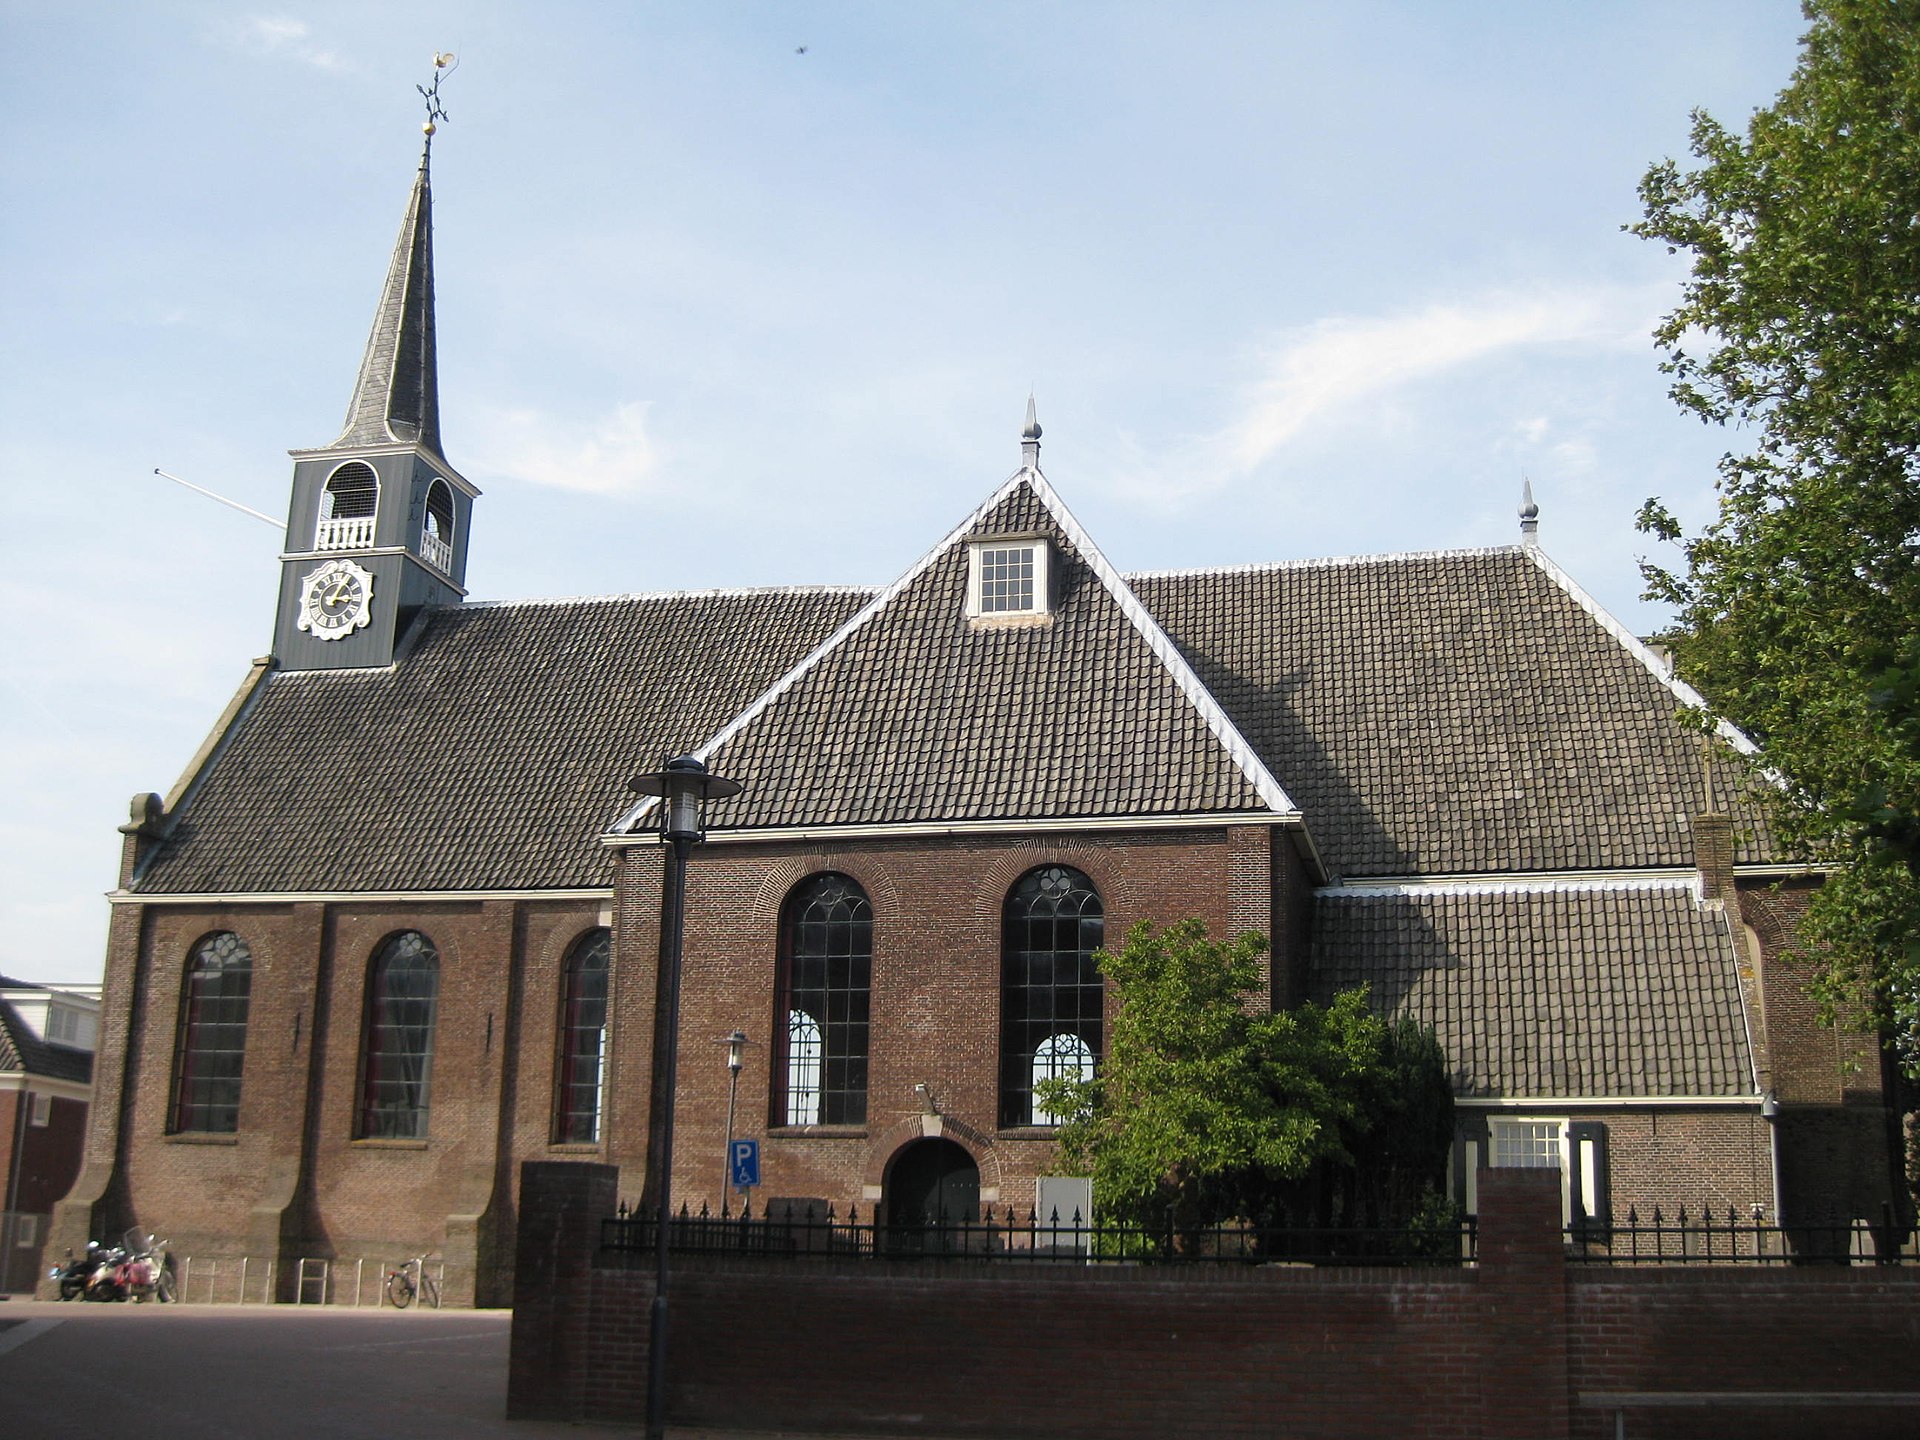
(1701, 1239)
(791, 1231)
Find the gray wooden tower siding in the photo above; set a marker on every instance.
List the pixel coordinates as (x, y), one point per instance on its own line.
(392, 429)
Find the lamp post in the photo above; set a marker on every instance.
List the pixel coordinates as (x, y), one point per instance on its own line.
(736, 1044)
(683, 786)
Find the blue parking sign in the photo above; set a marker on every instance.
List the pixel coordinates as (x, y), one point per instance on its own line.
(745, 1163)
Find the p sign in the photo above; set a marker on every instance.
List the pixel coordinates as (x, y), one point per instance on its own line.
(743, 1157)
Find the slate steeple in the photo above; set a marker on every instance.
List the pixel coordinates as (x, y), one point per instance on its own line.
(378, 526)
(397, 397)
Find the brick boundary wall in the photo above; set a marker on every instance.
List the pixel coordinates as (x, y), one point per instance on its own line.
(1500, 1351)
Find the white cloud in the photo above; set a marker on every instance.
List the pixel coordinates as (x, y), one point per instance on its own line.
(1328, 372)
(613, 458)
(281, 35)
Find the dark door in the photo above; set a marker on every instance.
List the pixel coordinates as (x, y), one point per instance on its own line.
(933, 1188)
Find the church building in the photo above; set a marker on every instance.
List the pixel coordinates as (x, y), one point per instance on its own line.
(396, 927)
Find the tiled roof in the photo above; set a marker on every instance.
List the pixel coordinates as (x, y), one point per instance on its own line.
(1555, 993)
(22, 1050)
(1446, 713)
(492, 756)
(917, 715)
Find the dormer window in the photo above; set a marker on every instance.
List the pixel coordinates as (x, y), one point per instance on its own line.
(347, 508)
(436, 533)
(1007, 578)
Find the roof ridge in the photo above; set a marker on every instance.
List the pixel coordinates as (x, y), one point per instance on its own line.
(1261, 567)
(1211, 712)
(718, 592)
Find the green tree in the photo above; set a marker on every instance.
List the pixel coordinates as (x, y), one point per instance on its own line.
(1209, 1109)
(1798, 607)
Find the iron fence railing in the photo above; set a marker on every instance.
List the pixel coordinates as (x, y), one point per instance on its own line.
(799, 1232)
(1701, 1239)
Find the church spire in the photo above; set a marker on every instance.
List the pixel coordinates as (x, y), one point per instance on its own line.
(397, 397)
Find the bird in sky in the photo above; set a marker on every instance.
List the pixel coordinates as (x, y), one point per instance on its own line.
(800, 50)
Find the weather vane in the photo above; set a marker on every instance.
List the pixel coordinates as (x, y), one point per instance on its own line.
(444, 64)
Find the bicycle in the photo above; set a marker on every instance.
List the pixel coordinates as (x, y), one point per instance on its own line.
(412, 1280)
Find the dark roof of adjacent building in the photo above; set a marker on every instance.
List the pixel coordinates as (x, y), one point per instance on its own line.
(1550, 993)
(491, 756)
(22, 1050)
(918, 714)
(1449, 713)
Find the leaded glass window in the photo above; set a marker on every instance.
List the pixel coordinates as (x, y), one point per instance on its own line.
(1050, 990)
(403, 988)
(212, 1045)
(826, 977)
(583, 1039)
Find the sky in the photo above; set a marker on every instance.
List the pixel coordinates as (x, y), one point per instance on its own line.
(754, 294)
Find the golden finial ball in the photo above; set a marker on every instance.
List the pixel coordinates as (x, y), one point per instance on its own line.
(427, 129)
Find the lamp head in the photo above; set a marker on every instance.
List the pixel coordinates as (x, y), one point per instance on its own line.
(683, 786)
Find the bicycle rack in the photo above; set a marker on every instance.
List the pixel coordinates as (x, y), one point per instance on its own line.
(320, 1274)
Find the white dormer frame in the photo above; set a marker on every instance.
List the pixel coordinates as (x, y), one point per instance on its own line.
(980, 555)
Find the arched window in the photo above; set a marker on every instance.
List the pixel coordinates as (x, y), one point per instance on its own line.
(347, 508)
(583, 1039)
(212, 1044)
(1060, 1057)
(826, 976)
(436, 532)
(1050, 991)
(403, 986)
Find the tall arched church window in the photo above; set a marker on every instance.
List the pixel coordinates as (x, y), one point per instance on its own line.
(583, 1039)
(403, 989)
(1050, 990)
(825, 982)
(212, 1044)
(347, 508)
(436, 532)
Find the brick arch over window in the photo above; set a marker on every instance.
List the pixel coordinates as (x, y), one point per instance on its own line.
(867, 871)
(210, 1052)
(1051, 993)
(823, 995)
(579, 1092)
(402, 1002)
(1000, 874)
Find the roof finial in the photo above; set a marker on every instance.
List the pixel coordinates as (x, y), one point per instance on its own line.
(445, 62)
(1529, 514)
(1030, 438)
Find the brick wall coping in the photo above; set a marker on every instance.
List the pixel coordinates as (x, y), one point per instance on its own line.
(1699, 1274)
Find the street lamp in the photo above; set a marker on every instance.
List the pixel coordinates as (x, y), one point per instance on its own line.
(683, 786)
(736, 1044)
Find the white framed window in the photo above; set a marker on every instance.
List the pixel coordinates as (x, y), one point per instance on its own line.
(26, 1234)
(1577, 1149)
(803, 1069)
(42, 1108)
(1060, 1057)
(1008, 577)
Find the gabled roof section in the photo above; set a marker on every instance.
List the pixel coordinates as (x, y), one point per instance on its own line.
(912, 715)
(1454, 712)
(1565, 992)
(23, 1051)
(396, 400)
(491, 757)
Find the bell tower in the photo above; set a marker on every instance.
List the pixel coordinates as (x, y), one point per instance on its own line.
(378, 523)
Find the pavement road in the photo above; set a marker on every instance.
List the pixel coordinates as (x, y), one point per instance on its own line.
(267, 1372)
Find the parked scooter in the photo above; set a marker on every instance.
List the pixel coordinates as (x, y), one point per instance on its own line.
(147, 1272)
(73, 1275)
(103, 1282)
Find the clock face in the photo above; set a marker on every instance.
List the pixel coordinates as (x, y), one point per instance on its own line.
(335, 600)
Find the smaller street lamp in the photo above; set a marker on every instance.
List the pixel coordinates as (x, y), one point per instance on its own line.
(736, 1044)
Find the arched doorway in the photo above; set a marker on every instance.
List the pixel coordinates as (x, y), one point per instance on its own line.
(932, 1187)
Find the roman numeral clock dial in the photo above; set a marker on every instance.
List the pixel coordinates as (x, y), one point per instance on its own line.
(335, 600)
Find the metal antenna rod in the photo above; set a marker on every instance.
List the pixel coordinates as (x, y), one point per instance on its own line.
(230, 504)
